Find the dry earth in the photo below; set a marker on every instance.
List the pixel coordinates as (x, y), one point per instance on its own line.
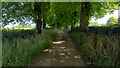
(61, 52)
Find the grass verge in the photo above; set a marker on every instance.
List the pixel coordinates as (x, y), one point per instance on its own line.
(23, 50)
(101, 49)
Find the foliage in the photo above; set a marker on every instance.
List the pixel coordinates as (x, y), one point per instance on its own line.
(16, 12)
(99, 9)
(100, 44)
(63, 11)
(112, 21)
(10, 35)
(20, 47)
(95, 24)
(23, 50)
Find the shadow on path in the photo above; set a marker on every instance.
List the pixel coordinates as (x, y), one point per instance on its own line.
(60, 53)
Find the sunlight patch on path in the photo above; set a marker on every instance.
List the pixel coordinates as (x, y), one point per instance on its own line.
(60, 53)
(58, 42)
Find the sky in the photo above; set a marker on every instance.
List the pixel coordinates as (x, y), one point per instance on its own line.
(104, 19)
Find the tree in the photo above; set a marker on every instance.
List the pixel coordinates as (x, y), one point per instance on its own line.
(40, 9)
(67, 13)
(84, 16)
(56, 14)
(16, 12)
(95, 9)
(39, 16)
(112, 21)
(24, 11)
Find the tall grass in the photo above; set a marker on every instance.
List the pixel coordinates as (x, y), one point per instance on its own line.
(103, 47)
(23, 50)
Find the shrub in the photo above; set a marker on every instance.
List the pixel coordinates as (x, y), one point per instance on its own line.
(23, 50)
(101, 47)
(112, 21)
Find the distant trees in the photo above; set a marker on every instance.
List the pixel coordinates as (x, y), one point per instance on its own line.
(95, 9)
(25, 11)
(56, 14)
(112, 21)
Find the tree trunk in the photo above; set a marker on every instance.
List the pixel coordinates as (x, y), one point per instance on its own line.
(72, 24)
(74, 20)
(73, 17)
(119, 14)
(44, 25)
(38, 19)
(44, 20)
(55, 25)
(55, 22)
(38, 25)
(84, 16)
(40, 12)
(75, 14)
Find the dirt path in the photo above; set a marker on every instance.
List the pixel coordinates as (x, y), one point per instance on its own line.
(60, 53)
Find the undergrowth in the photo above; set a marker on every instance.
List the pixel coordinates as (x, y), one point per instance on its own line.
(101, 44)
(23, 50)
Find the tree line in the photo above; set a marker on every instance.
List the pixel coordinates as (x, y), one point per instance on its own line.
(56, 14)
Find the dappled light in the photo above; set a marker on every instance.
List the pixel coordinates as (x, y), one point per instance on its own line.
(58, 42)
(48, 50)
(60, 34)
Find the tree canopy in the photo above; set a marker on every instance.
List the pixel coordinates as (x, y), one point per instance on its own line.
(61, 14)
(112, 21)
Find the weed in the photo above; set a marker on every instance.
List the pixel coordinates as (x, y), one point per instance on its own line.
(22, 50)
(101, 44)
